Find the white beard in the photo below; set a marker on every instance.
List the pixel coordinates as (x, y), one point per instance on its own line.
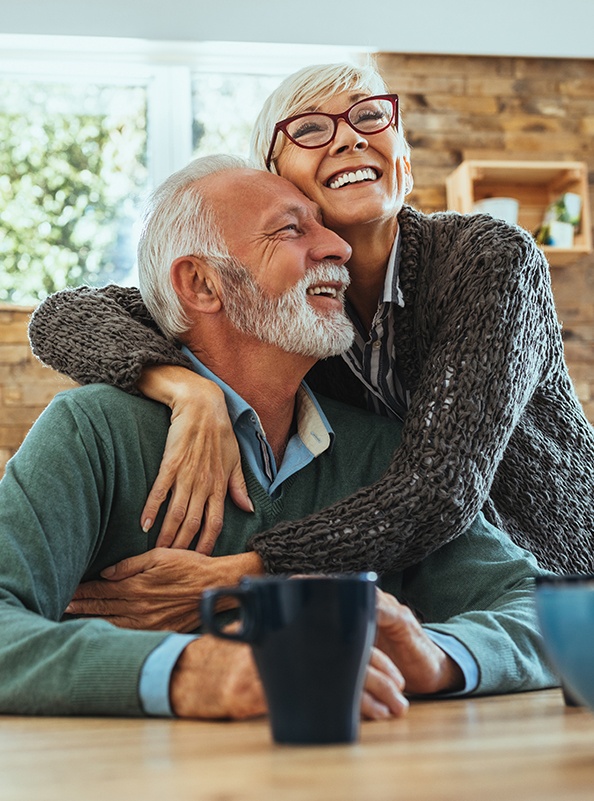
(289, 321)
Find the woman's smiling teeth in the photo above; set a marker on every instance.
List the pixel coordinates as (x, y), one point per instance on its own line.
(367, 174)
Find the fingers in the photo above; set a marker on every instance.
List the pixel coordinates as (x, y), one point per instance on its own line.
(197, 508)
(180, 526)
(191, 511)
(201, 462)
(156, 497)
(238, 489)
(215, 509)
(426, 668)
(383, 692)
(124, 569)
(121, 613)
(155, 590)
(97, 607)
(184, 516)
(213, 524)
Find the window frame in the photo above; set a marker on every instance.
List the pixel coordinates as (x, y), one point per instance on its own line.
(166, 70)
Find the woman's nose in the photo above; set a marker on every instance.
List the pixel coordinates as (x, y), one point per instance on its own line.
(346, 138)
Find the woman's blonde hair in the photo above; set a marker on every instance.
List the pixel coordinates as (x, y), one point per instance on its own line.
(312, 87)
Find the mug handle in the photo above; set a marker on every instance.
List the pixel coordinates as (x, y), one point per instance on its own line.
(246, 605)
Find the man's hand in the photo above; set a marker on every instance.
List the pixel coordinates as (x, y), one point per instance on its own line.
(383, 691)
(425, 668)
(160, 589)
(216, 678)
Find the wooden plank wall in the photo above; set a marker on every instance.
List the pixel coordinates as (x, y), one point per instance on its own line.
(26, 386)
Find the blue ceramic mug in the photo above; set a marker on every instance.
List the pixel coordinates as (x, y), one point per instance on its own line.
(565, 606)
(311, 637)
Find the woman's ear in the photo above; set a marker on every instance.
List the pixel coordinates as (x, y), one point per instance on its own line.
(196, 284)
(408, 177)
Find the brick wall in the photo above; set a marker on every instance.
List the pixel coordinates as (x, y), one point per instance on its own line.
(455, 108)
(467, 107)
(26, 387)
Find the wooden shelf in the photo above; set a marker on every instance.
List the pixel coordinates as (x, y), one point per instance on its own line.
(534, 184)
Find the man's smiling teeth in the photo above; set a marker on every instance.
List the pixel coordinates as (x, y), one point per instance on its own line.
(353, 178)
(322, 290)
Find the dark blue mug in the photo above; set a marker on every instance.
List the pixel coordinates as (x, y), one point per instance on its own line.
(311, 637)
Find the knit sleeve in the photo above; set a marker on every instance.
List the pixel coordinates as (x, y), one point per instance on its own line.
(100, 336)
(487, 334)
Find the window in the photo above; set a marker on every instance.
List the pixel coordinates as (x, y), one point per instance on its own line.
(224, 110)
(72, 172)
(89, 126)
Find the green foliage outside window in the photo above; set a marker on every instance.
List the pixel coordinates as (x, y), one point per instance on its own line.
(225, 108)
(72, 176)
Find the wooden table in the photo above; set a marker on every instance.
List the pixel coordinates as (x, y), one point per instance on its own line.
(506, 748)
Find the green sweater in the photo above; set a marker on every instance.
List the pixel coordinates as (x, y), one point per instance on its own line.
(70, 505)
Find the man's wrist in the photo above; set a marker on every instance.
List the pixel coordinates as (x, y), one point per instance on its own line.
(452, 676)
(460, 655)
(156, 673)
(214, 678)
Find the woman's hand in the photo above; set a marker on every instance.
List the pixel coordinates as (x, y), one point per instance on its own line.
(160, 589)
(201, 461)
(425, 668)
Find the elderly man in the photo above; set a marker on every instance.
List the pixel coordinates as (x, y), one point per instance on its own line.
(235, 262)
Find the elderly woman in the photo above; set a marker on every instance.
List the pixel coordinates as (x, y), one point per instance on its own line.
(456, 334)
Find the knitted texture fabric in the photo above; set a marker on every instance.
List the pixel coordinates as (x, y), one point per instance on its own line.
(100, 336)
(494, 421)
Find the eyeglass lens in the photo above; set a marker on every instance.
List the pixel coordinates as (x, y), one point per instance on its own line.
(367, 116)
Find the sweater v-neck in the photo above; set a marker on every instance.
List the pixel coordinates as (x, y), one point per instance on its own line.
(269, 506)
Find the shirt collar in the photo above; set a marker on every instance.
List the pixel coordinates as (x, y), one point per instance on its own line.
(313, 427)
(236, 405)
(392, 292)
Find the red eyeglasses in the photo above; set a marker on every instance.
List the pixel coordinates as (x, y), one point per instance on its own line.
(316, 129)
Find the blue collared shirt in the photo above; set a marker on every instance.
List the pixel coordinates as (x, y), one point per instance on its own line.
(313, 434)
(312, 437)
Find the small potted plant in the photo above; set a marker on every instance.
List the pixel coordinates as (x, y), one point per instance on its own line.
(560, 221)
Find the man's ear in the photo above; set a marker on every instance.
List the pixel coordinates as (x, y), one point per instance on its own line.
(196, 284)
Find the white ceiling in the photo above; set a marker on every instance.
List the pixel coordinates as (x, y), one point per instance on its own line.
(476, 27)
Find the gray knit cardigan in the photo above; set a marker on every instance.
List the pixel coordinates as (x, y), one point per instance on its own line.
(494, 421)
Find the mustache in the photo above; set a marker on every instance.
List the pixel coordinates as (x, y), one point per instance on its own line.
(326, 272)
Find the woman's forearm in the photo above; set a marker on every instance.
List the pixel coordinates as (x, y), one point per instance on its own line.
(100, 336)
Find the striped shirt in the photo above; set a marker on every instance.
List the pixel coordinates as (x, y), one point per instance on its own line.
(371, 356)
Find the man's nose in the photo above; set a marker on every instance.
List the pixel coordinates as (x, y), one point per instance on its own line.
(330, 247)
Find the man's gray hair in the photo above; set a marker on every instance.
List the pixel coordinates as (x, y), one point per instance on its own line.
(178, 221)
